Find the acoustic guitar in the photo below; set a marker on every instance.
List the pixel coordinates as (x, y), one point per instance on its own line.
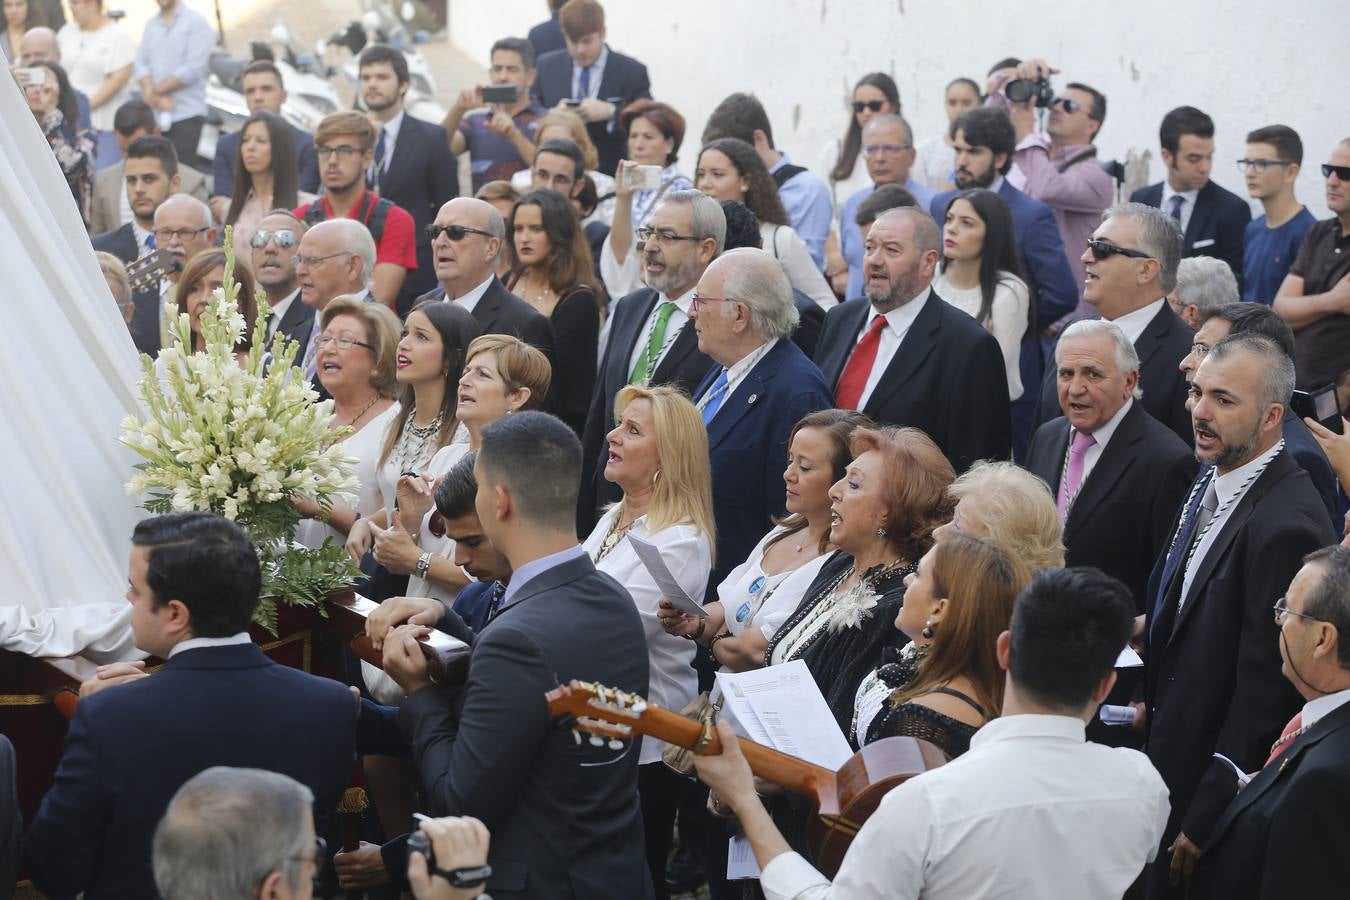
(145, 273)
(841, 800)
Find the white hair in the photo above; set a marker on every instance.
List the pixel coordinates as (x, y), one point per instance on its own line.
(754, 277)
(354, 238)
(1127, 358)
(1205, 283)
(187, 200)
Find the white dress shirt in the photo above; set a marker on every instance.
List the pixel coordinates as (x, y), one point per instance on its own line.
(735, 374)
(687, 552)
(673, 326)
(1134, 323)
(1030, 811)
(1323, 706)
(194, 643)
(143, 236)
(469, 299)
(766, 607)
(1187, 208)
(898, 322)
(597, 70)
(391, 129)
(1103, 437)
(278, 313)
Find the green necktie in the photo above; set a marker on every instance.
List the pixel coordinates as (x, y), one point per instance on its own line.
(647, 360)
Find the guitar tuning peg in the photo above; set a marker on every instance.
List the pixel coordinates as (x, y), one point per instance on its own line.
(615, 744)
(576, 736)
(597, 741)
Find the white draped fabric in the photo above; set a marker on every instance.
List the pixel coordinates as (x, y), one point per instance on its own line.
(67, 377)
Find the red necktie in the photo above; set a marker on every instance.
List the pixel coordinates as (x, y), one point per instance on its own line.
(854, 378)
(1291, 731)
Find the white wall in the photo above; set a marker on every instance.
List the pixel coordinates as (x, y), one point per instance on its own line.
(1247, 63)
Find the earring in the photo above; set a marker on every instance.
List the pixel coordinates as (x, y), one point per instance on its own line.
(928, 629)
(656, 476)
(881, 533)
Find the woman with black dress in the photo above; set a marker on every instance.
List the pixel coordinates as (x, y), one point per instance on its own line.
(552, 270)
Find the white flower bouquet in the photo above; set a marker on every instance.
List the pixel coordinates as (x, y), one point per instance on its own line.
(243, 440)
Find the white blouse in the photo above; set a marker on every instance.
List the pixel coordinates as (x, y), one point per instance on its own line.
(1007, 314)
(842, 190)
(364, 446)
(787, 247)
(935, 164)
(687, 552)
(753, 599)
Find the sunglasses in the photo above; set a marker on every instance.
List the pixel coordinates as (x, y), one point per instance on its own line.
(1070, 106)
(455, 233)
(870, 105)
(285, 238)
(1105, 250)
(1341, 172)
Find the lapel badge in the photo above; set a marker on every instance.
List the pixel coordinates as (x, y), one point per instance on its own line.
(1283, 763)
(752, 398)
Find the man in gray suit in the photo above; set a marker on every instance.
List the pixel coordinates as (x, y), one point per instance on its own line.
(112, 201)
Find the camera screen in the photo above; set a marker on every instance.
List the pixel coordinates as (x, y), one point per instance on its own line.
(1325, 405)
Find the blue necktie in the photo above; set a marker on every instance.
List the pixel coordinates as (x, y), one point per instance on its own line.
(584, 84)
(716, 395)
(495, 600)
(150, 241)
(1182, 545)
(377, 170)
(1178, 201)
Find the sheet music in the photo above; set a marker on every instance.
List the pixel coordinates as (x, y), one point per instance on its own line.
(671, 589)
(792, 712)
(1128, 659)
(740, 858)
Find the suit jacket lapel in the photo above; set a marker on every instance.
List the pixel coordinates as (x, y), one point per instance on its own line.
(1111, 466)
(624, 340)
(910, 355)
(404, 147)
(685, 345)
(552, 579)
(489, 306)
(833, 366)
(1151, 338)
(1200, 216)
(751, 389)
(295, 314)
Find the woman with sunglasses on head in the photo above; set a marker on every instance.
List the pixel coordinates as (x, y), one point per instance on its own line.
(981, 274)
(552, 270)
(266, 175)
(937, 160)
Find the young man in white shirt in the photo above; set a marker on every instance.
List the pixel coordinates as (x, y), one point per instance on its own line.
(1031, 810)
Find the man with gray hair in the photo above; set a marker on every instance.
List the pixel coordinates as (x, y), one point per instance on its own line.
(651, 336)
(1131, 264)
(335, 258)
(1203, 284)
(1213, 690)
(237, 834)
(760, 385)
(183, 227)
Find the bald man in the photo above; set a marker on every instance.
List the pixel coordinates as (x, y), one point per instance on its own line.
(39, 45)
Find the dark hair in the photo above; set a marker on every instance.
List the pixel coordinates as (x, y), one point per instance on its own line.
(1183, 120)
(519, 46)
(998, 255)
(1097, 112)
(886, 196)
(1068, 627)
(264, 67)
(987, 126)
(285, 170)
(569, 263)
(838, 425)
(203, 263)
(160, 148)
(65, 97)
(588, 198)
(581, 18)
(742, 226)
(1010, 62)
(1256, 318)
(761, 193)
(37, 17)
(969, 82)
(738, 116)
(455, 494)
(1329, 600)
(538, 459)
(666, 119)
(1284, 139)
(848, 153)
(560, 147)
(913, 487)
(207, 563)
(383, 53)
(457, 328)
(133, 116)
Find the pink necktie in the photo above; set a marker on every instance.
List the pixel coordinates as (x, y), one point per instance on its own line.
(1073, 476)
(1291, 731)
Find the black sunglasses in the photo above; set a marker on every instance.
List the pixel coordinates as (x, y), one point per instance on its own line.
(873, 105)
(1105, 250)
(455, 233)
(1070, 106)
(1341, 172)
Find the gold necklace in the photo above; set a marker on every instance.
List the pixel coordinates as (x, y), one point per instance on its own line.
(365, 409)
(616, 534)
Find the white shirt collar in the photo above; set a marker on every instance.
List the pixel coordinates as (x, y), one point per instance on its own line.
(1168, 194)
(1103, 434)
(142, 235)
(1029, 725)
(595, 68)
(279, 312)
(902, 317)
(391, 129)
(197, 642)
(1316, 709)
(681, 302)
(1228, 486)
(1134, 323)
(469, 299)
(996, 184)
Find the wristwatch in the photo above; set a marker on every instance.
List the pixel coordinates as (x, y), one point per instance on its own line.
(423, 563)
(465, 878)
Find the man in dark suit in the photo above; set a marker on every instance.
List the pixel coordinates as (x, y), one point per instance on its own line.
(217, 701)
(651, 337)
(413, 166)
(1287, 833)
(984, 140)
(905, 357)
(760, 386)
(547, 36)
(1131, 265)
(1212, 672)
(591, 80)
(469, 238)
(1212, 219)
(563, 813)
(274, 270)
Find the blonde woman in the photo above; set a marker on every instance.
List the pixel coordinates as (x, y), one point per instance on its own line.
(1008, 506)
(658, 455)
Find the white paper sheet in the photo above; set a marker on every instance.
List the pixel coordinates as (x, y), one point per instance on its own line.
(1128, 659)
(670, 588)
(1242, 777)
(740, 858)
(792, 712)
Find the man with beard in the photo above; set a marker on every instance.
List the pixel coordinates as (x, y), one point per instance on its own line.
(652, 339)
(412, 166)
(275, 244)
(905, 357)
(1212, 682)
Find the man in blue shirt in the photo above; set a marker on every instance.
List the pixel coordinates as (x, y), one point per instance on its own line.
(500, 136)
(171, 69)
(1271, 242)
(805, 196)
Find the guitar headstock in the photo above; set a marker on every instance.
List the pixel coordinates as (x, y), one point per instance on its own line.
(582, 699)
(146, 272)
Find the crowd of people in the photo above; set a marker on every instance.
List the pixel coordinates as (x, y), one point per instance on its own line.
(947, 420)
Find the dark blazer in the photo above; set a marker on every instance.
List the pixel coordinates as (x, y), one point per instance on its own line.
(297, 324)
(121, 243)
(227, 148)
(1161, 347)
(947, 378)
(810, 321)
(1212, 678)
(747, 444)
(1217, 223)
(683, 366)
(499, 311)
(563, 813)
(624, 80)
(11, 822)
(129, 748)
(1122, 517)
(547, 36)
(1287, 833)
(1305, 450)
(422, 176)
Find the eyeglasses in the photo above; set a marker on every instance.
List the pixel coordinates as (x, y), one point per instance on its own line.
(888, 149)
(342, 341)
(697, 302)
(316, 854)
(1070, 106)
(1105, 249)
(163, 235)
(284, 237)
(312, 261)
(1260, 165)
(1341, 172)
(346, 151)
(663, 237)
(869, 105)
(1282, 610)
(455, 233)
